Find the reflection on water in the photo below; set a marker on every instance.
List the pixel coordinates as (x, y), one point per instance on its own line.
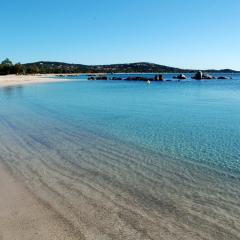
(12, 91)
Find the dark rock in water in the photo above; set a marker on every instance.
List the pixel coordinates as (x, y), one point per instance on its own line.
(181, 76)
(98, 78)
(141, 78)
(138, 79)
(159, 77)
(207, 76)
(198, 75)
(133, 78)
(102, 78)
(223, 77)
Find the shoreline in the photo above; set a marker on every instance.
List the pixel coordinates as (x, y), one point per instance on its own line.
(22, 214)
(12, 80)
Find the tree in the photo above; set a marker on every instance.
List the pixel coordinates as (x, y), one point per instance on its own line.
(7, 67)
(7, 62)
(19, 69)
(32, 69)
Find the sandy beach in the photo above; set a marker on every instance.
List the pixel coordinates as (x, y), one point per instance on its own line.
(10, 80)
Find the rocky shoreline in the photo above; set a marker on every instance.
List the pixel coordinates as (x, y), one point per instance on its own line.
(158, 77)
(204, 76)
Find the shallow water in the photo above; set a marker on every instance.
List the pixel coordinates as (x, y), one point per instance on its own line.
(127, 160)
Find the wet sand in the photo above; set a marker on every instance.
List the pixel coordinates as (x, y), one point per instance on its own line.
(24, 217)
(107, 190)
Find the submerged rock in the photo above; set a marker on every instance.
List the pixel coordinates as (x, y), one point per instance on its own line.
(116, 78)
(224, 77)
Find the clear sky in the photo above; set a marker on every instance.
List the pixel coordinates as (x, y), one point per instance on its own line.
(182, 33)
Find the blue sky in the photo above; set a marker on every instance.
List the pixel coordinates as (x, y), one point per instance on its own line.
(183, 33)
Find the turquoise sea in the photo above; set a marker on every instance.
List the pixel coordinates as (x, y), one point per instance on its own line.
(129, 160)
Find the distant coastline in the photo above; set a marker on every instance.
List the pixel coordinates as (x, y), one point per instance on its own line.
(19, 79)
(140, 67)
(44, 71)
(45, 67)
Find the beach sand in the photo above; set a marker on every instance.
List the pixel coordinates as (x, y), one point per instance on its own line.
(10, 80)
(23, 217)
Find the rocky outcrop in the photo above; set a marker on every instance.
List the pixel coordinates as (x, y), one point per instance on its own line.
(100, 77)
(138, 79)
(130, 78)
(180, 77)
(208, 76)
(159, 77)
(202, 76)
(198, 75)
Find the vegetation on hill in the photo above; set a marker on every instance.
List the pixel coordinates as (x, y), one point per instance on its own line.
(7, 67)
